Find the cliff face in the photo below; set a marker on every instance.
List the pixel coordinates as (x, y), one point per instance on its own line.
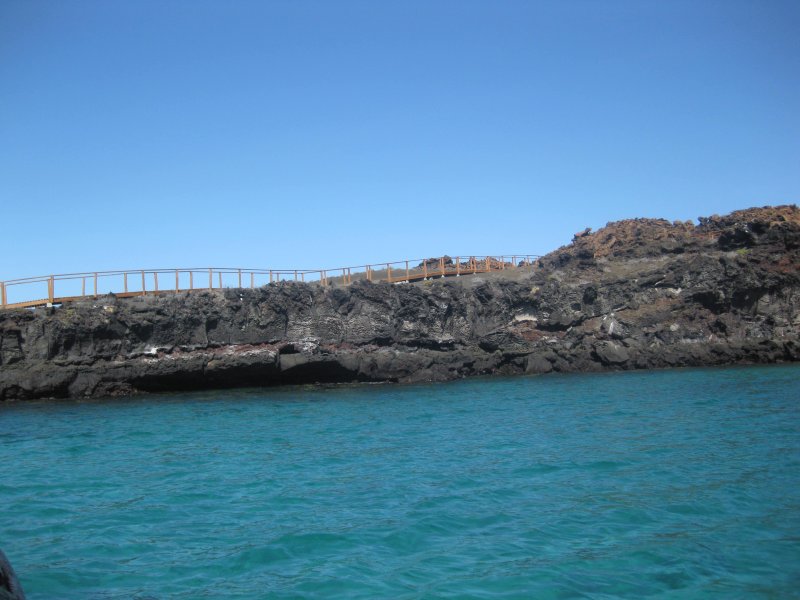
(639, 293)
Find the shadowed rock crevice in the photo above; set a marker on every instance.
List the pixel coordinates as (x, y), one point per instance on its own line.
(641, 293)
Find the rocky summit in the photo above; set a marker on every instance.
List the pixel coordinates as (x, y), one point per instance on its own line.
(637, 294)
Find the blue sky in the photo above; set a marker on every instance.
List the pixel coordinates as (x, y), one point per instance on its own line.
(318, 134)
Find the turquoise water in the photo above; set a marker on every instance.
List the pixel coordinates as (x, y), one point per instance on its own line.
(670, 484)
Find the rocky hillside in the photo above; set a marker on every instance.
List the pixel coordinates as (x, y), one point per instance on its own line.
(642, 293)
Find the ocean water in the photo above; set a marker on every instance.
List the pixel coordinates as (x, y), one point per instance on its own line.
(668, 484)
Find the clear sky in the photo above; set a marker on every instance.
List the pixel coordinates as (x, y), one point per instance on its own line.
(183, 133)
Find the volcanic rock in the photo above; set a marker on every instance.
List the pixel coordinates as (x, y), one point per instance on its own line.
(639, 293)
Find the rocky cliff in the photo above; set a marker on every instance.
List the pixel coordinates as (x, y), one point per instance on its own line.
(642, 293)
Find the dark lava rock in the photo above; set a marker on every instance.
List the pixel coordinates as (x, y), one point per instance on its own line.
(610, 353)
(10, 589)
(641, 293)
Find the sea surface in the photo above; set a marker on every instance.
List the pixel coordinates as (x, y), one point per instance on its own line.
(666, 484)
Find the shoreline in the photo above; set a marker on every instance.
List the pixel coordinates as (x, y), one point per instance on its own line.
(638, 294)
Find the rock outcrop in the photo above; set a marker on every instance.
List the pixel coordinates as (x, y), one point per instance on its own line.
(636, 294)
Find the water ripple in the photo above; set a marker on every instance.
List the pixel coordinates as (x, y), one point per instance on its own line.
(674, 484)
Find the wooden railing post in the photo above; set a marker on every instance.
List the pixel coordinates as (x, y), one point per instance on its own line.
(441, 264)
(83, 286)
(408, 272)
(388, 273)
(125, 281)
(219, 278)
(270, 276)
(155, 280)
(458, 265)
(295, 275)
(3, 294)
(51, 289)
(191, 280)
(425, 268)
(177, 281)
(144, 292)
(240, 278)
(210, 279)
(252, 281)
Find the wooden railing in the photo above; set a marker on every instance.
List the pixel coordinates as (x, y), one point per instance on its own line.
(141, 282)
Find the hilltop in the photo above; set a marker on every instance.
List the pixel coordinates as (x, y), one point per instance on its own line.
(636, 294)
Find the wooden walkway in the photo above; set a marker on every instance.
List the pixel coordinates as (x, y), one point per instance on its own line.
(141, 282)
